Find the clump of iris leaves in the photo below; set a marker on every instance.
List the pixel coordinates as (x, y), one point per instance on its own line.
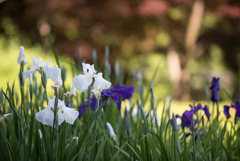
(143, 136)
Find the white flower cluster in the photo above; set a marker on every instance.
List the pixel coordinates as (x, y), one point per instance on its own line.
(54, 73)
(80, 82)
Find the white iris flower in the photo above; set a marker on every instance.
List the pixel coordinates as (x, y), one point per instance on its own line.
(21, 56)
(82, 81)
(46, 116)
(54, 73)
(38, 65)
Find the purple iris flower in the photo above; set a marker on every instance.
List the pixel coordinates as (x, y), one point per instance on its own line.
(123, 91)
(117, 94)
(199, 107)
(215, 87)
(109, 93)
(236, 106)
(186, 119)
(195, 109)
(187, 115)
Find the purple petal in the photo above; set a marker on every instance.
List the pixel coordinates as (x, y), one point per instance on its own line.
(82, 110)
(215, 87)
(123, 91)
(93, 103)
(116, 99)
(215, 84)
(226, 111)
(194, 109)
(237, 107)
(187, 118)
(205, 109)
(215, 95)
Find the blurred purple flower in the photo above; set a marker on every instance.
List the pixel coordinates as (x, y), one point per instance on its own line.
(93, 103)
(226, 111)
(207, 113)
(123, 91)
(187, 115)
(195, 109)
(215, 87)
(236, 106)
(82, 110)
(187, 118)
(117, 94)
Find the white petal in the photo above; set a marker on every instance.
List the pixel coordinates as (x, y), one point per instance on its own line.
(30, 79)
(49, 71)
(43, 64)
(81, 82)
(39, 63)
(73, 91)
(88, 69)
(35, 61)
(27, 73)
(70, 114)
(51, 102)
(21, 56)
(54, 74)
(45, 116)
(101, 83)
(60, 117)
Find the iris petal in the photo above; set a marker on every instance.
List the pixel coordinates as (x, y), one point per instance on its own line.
(81, 82)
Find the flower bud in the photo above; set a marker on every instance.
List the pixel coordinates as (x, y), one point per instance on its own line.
(40, 133)
(110, 130)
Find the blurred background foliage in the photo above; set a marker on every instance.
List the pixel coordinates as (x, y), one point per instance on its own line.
(189, 41)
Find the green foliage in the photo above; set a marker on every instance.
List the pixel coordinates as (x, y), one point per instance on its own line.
(138, 137)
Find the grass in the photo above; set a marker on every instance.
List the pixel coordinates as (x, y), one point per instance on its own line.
(145, 135)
